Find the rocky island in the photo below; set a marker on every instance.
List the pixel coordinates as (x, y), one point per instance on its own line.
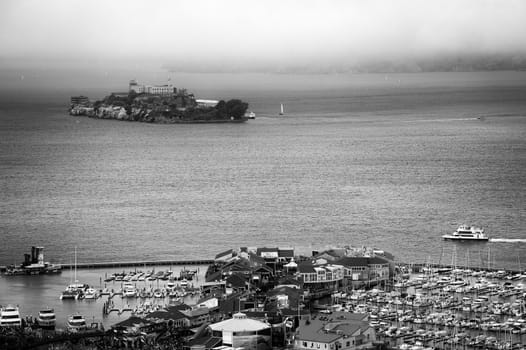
(160, 104)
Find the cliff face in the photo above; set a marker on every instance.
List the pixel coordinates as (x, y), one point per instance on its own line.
(162, 109)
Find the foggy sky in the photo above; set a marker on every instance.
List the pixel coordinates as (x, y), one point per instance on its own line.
(241, 33)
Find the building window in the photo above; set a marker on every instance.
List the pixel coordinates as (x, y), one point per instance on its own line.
(348, 344)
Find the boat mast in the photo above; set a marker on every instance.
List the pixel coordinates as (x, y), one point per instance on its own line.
(75, 263)
(489, 257)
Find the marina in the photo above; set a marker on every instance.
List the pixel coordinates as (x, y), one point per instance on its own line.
(422, 306)
(278, 175)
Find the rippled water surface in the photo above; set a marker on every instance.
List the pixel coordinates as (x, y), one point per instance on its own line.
(372, 162)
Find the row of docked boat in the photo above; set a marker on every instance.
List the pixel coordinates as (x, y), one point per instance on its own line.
(10, 318)
(77, 291)
(128, 290)
(133, 276)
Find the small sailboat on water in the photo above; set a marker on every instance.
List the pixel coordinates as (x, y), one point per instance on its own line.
(281, 112)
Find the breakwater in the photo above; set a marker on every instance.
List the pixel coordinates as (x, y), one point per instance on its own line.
(112, 264)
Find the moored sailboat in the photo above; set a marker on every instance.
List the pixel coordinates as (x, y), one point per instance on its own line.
(74, 290)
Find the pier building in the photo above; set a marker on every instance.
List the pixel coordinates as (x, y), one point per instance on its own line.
(342, 330)
(243, 332)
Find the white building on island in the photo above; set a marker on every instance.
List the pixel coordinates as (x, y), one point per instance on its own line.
(166, 89)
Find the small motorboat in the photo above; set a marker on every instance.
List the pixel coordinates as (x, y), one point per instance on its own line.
(91, 293)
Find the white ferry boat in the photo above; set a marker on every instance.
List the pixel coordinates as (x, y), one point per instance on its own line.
(467, 233)
(10, 317)
(76, 323)
(46, 318)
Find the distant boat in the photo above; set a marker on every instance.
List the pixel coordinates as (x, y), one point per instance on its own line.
(467, 233)
(250, 115)
(281, 112)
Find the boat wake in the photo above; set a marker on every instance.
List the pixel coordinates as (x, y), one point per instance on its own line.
(438, 120)
(507, 240)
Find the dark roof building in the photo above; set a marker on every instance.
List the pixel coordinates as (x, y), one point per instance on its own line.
(339, 330)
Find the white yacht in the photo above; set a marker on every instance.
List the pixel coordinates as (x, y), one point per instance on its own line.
(91, 293)
(170, 286)
(74, 291)
(46, 318)
(76, 323)
(467, 233)
(129, 291)
(10, 317)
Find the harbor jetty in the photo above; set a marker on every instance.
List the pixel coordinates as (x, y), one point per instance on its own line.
(140, 263)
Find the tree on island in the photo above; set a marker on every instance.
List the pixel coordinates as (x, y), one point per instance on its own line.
(233, 108)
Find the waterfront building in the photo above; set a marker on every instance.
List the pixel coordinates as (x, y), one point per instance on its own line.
(198, 316)
(365, 270)
(236, 283)
(173, 315)
(317, 277)
(241, 331)
(225, 256)
(285, 297)
(276, 257)
(340, 330)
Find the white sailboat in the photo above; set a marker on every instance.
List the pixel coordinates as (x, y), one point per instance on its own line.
(74, 290)
(281, 110)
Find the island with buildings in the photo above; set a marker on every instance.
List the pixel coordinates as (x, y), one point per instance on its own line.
(163, 104)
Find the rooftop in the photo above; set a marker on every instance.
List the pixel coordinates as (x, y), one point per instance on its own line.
(239, 322)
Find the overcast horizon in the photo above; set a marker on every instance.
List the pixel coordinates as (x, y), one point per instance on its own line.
(240, 35)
